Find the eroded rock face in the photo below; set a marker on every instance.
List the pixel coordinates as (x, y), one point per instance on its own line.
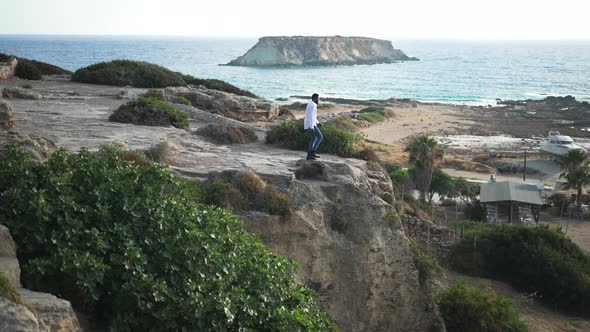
(7, 69)
(39, 147)
(360, 265)
(6, 115)
(53, 314)
(227, 104)
(20, 93)
(16, 318)
(319, 51)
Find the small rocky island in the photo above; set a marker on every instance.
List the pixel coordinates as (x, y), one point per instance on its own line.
(319, 51)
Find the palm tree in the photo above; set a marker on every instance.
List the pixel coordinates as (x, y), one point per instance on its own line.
(575, 167)
(424, 151)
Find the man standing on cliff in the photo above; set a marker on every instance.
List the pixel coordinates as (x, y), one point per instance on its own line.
(312, 126)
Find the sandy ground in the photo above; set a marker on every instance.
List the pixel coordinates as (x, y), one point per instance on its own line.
(424, 119)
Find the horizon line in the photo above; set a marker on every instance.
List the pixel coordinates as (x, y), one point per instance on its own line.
(283, 35)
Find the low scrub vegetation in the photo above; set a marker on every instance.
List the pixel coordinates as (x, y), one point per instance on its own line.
(128, 73)
(247, 191)
(375, 114)
(228, 134)
(33, 70)
(219, 85)
(150, 112)
(291, 135)
(425, 262)
(27, 70)
(345, 122)
(141, 74)
(465, 308)
(137, 249)
(533, 259)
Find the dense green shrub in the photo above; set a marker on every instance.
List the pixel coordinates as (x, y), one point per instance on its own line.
(467, 309)
(131, 246)
(291, 135)
(150, 112)
(27, 70)
(135, 157)
(219, 85)
(532, 259)
(36, 66)
(228, 134)
(128, 73)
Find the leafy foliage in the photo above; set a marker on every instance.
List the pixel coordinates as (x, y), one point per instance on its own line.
(465, 308)
(132, 246)
(291, 135)
(533, 259)
(25, 69)
(150, 112)
(228, 134)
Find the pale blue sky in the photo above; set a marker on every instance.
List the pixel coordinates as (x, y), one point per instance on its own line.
(474, 19)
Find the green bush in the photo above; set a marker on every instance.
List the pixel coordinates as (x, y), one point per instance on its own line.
(228, 134)
(372, 117)
(128, 73)
(25, 69)
(425, 262)
(135, 157)
(532, 259)
(291, 135)
(150, 112)
(35, 66)
(466, 309)
(219, 85)
(156, 94)
(131, 246)
(182, 100)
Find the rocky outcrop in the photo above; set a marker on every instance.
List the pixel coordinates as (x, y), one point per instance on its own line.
(227, 104)
(49, 313)
(435, 238)
(20, 93)
(319, 51)
(40, 148)
(359, 263)
(6, 115)
(16, 318)
(8, 68)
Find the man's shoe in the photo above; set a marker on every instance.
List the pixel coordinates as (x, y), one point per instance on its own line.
(310, 156)
(314, 154)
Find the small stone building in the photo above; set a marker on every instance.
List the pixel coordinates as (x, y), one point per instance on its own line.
(511, 202)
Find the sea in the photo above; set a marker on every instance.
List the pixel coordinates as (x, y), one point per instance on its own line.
(473, 72)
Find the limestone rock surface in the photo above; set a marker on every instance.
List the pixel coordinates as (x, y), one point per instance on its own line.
(16, 318)
(39, 147)
(20, 93)
(360, 265)
(6, 115)
(233, 106)
(319, 51)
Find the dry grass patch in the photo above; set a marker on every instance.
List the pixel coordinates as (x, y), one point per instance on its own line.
(228, 134)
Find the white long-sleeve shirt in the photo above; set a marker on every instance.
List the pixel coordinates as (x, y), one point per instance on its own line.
(311, 115)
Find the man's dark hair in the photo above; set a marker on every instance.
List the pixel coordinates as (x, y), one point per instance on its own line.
(315, 95)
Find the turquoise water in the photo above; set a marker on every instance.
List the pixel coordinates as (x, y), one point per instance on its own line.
(470, 72)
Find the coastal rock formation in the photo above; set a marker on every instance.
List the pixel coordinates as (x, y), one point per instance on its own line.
(6, 115)
(8, 68)
(227, 104)
(50, 313)
(39, 147)
(20, 93)
(360, 264)
(319, 51)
